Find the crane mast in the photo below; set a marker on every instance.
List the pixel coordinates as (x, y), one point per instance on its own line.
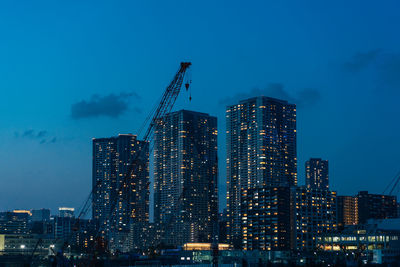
(165, 105)
(393, 185)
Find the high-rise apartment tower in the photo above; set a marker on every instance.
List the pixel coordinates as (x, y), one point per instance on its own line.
(185, 177)
(119, 202)
(261, 152)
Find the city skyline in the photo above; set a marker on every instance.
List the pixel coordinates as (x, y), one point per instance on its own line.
(67, 62)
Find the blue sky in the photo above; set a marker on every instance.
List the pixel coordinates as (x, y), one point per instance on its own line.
(74, 70)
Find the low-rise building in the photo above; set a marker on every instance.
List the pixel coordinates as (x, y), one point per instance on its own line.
(376, 241)
(21, 244)
(375, 206)
(15, 222)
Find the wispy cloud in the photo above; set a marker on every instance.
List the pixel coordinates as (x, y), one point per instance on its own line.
(108, 106)
(361, 60)
(42, 136)
(385, 66)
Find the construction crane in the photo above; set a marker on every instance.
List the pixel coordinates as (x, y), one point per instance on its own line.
(392, 185)
(164, 106)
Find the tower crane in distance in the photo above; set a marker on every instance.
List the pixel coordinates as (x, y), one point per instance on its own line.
(163, 107)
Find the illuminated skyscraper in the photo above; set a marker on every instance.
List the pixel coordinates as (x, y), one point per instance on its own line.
(112, 157)
(317, 174)
(185, 176)
(261, 152)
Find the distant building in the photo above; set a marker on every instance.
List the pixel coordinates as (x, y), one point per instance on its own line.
(266, 218)
(40, 215)
(15, 222)
(66, 212)
(314, 215)
(317, 173)
(115, 211)
(79, 233)
(378, 242)
(375, 206)
(347, 211)
(261, 151)
(185, 177)
(25, 244)
(63, 227)
(43, 228)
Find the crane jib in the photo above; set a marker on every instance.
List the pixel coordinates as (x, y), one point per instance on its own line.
(164, 106)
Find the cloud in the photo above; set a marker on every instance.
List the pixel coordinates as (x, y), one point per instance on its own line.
(32, 134)
(42, 136)
(28, 133)
(385, 67)
(303, 98)
(361, 60)
(307, 97)
(108, 106)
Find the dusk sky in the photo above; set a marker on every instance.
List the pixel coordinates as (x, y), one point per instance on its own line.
(74, 70)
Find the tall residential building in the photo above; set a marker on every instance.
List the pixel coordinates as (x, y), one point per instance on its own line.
(117, 204)
(314, 216)
(185, 177)
(347, 211)
(317, 173)
(261, 152)
(375, 206)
